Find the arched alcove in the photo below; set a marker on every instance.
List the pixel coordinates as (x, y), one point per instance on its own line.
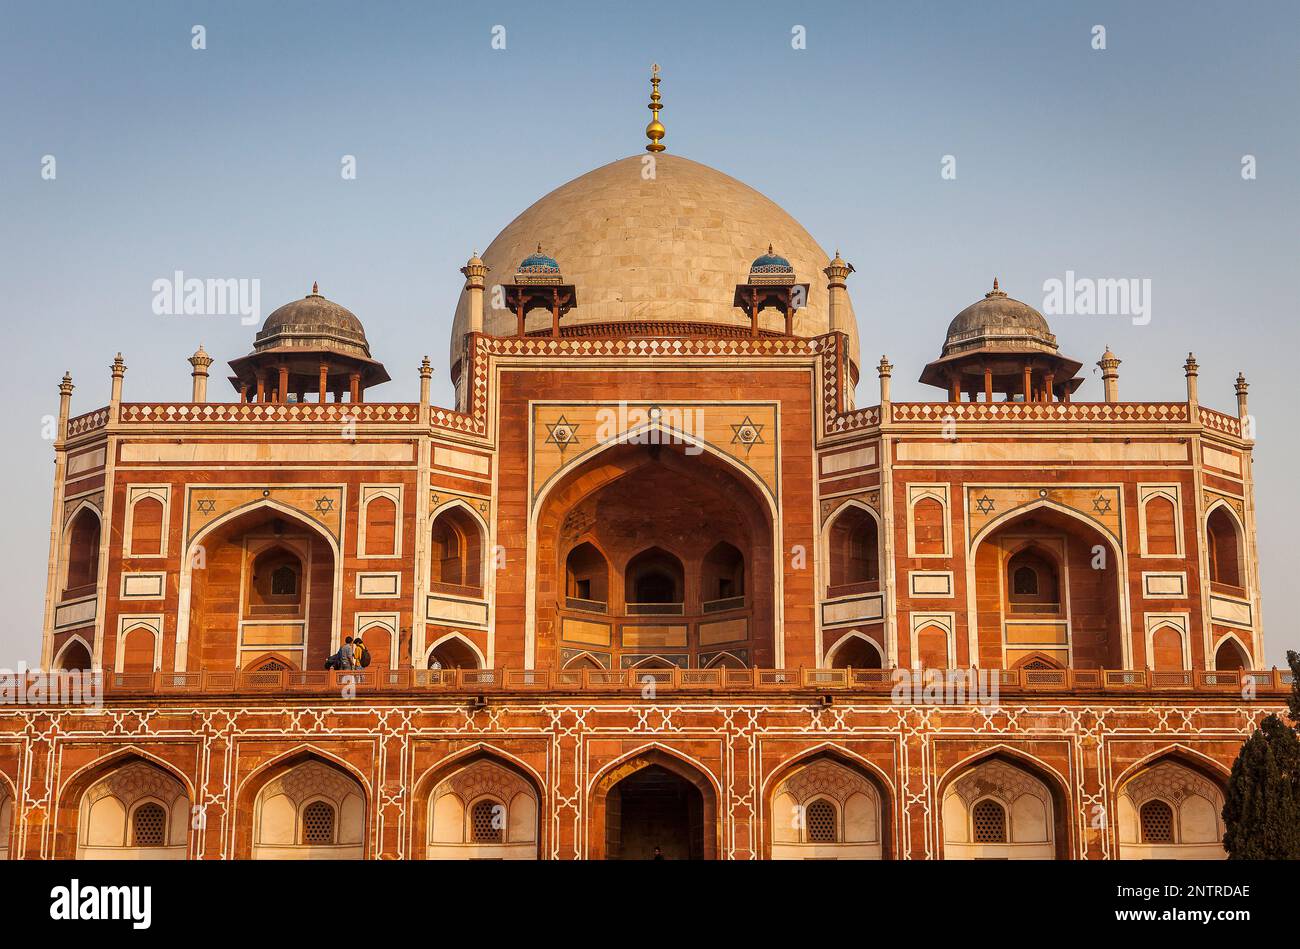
(827, 809)
(309, 810)
(998, 809)
(1170, 811)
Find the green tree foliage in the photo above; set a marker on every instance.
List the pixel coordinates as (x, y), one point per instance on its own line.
(1262, 809)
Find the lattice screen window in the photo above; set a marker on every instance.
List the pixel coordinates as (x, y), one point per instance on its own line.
(318, 823)
(149, 826)
(1157, 820)
(820, 817)
(990, 822)
(486, 822)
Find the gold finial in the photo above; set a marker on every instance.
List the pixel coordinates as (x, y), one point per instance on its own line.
(315, 288)
(655, 130)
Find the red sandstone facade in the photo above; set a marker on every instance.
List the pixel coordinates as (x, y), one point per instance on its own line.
(645, 587)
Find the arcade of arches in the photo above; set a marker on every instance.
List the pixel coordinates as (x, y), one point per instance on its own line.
(485, 807)
(652, 555)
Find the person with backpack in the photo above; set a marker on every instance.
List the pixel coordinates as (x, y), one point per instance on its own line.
(343, 658)
(360, 654)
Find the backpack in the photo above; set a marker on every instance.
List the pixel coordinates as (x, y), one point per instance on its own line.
(365, 656)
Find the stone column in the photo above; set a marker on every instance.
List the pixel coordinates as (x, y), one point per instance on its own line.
(1191, 370)
(475, 271)
(1109, 364)
(200, 361)
(837, 274)
(115, 396)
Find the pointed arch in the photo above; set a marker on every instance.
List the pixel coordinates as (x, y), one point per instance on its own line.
(1190, 786)
(1177, 751)
(1057, 786)
(851, 550)
(854, 636)
(884, 787)
(764, 493)
(66, 816)
(1114, 549)
(725, 660)
(653, 754)
(187, 569)
(80, 551)
(420, 841)
(60, 658)
(1237, 652)
(460, 639)
(1225, 542)
(247, 790)
(583, 660)
(480, 572)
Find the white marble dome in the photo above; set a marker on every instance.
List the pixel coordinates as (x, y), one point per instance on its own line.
(670, 249)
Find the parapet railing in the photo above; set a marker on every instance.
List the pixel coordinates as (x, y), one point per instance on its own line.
(1245, 684)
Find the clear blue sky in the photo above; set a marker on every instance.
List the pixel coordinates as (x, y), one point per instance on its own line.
(225, 162)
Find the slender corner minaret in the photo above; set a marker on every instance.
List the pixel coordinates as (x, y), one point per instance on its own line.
(426, 376)
(65, 404)
(475, 272)
(1191, 370)
(837, 272)
(200, 361)
(115, 395)
(886, 372)
(655, 131)
(1109, 364)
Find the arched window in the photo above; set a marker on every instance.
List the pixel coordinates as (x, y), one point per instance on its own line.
(1157, 822)
(457, 550)
(854, 652)
(487, 818)
(318, 823)
(1224, 549)
(820, 820)
(654, 582)
(284, 581)
(989, 822)
(1161, 523)
(854, 551)
(1024, 582)
(149, 826)
(1229, 657)
(381, 527)
(929, 536)
(586, 578)
(83, 554)
(275, 587)
(146, 527)
(1167, 649)
(74, 657)
(723, 573)
(1032, 584)
(453, 653)
(932, 647)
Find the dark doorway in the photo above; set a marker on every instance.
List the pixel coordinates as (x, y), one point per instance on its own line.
(654, 808)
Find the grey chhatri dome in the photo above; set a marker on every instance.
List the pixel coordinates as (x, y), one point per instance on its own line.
(309, 345)
(1001, 322)
(1000, 345)
(313, 323)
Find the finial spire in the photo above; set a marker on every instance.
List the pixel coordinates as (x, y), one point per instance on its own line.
(315, 288)
(655, 130)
